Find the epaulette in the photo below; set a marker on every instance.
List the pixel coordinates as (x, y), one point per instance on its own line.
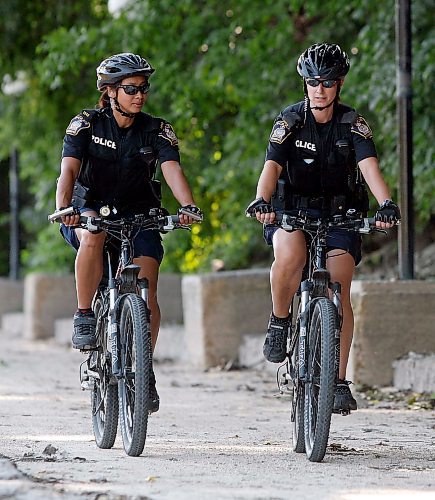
(81, 121)
(291, 118)
(284, 125)
(348, 114)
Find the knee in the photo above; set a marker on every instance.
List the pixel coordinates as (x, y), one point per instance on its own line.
(92, 242)
(287, 263)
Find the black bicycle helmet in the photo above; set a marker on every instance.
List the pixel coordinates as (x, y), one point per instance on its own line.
(323, 60)
(117, 67)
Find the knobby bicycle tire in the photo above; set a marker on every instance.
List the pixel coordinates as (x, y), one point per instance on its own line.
(298, 403)
(319, 389)
(104, 396)
(135, 359)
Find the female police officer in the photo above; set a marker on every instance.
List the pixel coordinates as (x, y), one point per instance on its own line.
(109, 158)
(315, 148)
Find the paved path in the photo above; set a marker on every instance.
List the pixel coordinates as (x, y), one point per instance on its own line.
(218, 435)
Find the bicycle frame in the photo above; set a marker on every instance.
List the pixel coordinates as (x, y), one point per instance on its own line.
(317, 284)
(125, 281)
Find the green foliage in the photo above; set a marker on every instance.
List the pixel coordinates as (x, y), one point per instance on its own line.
(224, 70)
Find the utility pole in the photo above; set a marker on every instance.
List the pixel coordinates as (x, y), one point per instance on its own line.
(14, 236)
(404, 116)
(14, 88)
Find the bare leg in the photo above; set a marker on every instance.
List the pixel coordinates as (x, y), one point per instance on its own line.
(286, 271)
(149, 268)
(341, 267)
(88, 266)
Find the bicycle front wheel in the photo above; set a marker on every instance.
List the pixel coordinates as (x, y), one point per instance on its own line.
(135, 359)
(298, 400)
(319, 389)
(104, 395)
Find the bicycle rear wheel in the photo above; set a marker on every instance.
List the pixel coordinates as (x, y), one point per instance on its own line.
(104, 395)
(135, 359)
(319, 389)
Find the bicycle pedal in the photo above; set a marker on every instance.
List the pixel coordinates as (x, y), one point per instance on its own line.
(87, 385)
(87, 350)
(343, 413)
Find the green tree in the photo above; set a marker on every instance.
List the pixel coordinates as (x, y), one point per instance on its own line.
(224, 70)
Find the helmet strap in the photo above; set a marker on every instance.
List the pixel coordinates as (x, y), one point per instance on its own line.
(121, 111)
(320, 108)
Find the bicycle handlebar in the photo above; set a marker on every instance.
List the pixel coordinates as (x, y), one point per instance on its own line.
(95, 223)
(291, 221)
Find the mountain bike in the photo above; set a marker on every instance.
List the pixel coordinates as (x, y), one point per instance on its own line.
(117, 372)
(313, 351)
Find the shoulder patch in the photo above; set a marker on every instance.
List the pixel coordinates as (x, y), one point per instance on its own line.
(167, 132)
(362, 128)
(280, 132)
(76, 124)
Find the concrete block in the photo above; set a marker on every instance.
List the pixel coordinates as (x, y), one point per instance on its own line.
(171, 344)
(13, 324)
(11, 295)
(63, 330)
(47, 297)
(391, 319)
(415, 372)
(251, 354)
(219, 309)
(170, 299)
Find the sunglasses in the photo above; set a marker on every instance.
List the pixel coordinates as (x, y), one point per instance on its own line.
(327, 84)
(134, 89)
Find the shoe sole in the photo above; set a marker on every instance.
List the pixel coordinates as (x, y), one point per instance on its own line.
(86, 347)
(275, 360)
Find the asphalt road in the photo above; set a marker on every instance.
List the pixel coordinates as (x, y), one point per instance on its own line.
(218, 435)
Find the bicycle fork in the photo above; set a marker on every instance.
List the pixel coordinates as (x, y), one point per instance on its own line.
(336, 299)
(306, 287)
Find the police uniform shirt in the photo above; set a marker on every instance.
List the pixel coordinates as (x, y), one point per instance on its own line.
(312, 155)
(116, 164)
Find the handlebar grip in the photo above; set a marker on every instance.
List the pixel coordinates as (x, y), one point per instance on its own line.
(56, 216)
(194, 216)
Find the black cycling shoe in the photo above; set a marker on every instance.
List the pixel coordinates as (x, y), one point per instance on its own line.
(344, 402)
(84, 331)
(153, 396)
(275, 344)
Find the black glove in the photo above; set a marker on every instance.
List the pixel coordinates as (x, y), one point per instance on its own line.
(388, 212)
(260, 205)
(191, 211)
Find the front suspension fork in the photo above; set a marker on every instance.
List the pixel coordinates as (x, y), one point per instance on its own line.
(336, 299)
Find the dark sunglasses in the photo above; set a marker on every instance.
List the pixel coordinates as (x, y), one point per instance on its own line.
(134, 89)
(327, 84)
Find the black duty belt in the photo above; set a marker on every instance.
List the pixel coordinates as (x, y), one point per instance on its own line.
(330, 204)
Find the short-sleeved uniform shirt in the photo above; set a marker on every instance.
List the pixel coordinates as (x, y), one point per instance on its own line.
(320, 159)
(118, 165)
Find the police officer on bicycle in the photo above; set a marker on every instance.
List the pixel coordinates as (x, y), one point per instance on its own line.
(109, 158)
(317, 151)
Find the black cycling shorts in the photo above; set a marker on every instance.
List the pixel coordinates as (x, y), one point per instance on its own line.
(349, 241)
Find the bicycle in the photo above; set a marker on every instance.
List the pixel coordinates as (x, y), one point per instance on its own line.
(117, 372)
(313, 351)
